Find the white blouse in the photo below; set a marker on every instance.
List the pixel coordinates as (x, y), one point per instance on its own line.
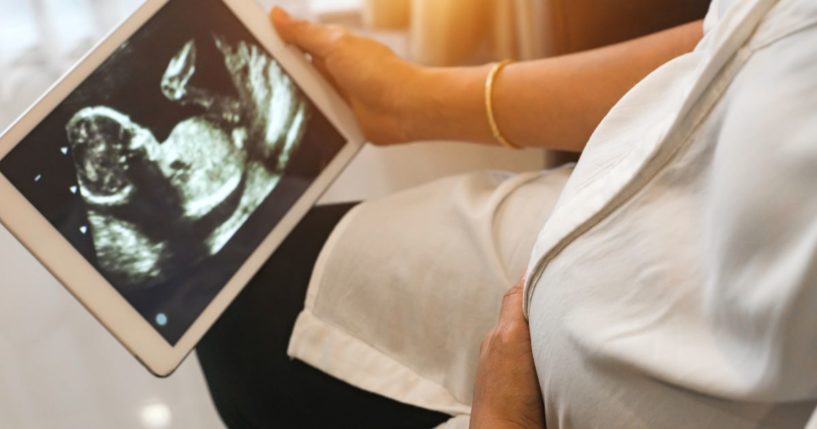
(683, 251)
(673, 283)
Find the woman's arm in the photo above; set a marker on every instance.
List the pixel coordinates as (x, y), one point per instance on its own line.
(554, 103)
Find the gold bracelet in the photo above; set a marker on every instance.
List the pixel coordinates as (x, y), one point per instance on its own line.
(489, 103)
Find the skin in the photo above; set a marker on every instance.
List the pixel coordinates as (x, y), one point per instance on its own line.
(399, 102)
(506, 392)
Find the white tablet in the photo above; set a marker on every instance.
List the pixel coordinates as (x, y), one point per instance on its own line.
(159, 174)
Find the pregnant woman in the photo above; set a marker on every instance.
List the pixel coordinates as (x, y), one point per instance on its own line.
(669, 278)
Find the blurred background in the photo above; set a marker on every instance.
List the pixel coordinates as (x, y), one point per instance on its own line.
(59, 368)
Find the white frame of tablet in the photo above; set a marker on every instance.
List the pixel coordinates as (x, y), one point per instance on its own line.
(86, 284)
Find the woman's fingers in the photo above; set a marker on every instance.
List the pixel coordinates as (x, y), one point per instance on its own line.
(365, 72)
(506, 391)
(316, 40)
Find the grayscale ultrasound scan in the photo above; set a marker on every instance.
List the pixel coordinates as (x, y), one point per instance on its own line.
(210, 189)
(169, 165)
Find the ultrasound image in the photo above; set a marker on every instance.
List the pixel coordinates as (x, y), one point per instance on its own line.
(157, 208)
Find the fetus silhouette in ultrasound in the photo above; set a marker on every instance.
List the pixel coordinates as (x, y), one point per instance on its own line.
(156, 209)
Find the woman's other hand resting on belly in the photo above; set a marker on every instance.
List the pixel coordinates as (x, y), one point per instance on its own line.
(506, 393)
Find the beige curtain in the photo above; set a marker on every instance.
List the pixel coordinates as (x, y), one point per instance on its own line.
(453, 32)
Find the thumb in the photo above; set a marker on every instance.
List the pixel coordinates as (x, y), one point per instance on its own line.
(314, 39)
(512, 305)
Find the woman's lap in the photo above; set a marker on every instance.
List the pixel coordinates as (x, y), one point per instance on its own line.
(407, 286)
(399, 301)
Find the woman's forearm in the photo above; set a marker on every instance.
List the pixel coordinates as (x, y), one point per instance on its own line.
(554, 103)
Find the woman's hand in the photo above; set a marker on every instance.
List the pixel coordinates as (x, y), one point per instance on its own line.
(506, 394)
(380, 87)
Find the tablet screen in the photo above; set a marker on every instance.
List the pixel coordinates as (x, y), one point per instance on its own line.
(169, 165)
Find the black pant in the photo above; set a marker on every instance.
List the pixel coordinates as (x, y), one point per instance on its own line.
(252, 381)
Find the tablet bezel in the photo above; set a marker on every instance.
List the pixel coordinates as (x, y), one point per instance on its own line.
(87, 285)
